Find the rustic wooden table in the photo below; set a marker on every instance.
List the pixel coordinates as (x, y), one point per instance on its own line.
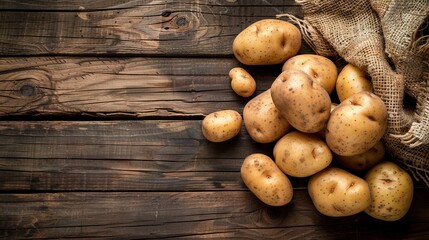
(100, 128)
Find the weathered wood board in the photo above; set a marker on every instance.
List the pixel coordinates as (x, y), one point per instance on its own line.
(130, 87)
(190, 27)
(188, 215)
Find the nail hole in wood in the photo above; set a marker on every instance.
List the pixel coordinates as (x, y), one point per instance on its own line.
(166, 13)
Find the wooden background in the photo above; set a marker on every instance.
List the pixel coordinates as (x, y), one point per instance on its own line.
(101, 105)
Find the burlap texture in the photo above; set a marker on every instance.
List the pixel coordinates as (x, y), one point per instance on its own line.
(382, 38)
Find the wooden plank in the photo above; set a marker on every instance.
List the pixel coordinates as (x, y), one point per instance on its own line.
(132, 87)
(150, 155)
(85, 5)
(145, 155)
(188, 27)
(189, 215)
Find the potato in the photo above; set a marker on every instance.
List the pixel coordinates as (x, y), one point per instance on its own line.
(392, 191)
(357, 124)
(319, 68)
(266, 42)
(242, 82)
(221, 125)
(262, 119)
(262, 176)
(301, 101)
(351, 80)
(364, 160)
(301, 154)
(338, 193)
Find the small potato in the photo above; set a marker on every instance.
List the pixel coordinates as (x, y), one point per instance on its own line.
(392, 191)
(338, 193)
(301, 154)
(221, 125)
(357, 124)
(352, 80)
(267, 42)
(242, 82)
(319, 68)
(301, 101)
(262, 176)
(364, 160)
(262, 119)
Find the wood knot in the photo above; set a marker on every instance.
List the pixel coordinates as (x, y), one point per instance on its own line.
(181, 21)
(177, 22)
(28, 90)
(25, 91)
(31, 84)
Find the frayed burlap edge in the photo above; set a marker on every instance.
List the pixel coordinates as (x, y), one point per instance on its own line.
(401, 22)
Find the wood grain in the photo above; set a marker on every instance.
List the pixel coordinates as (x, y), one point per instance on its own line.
(84, 5)
(146, 155)
(191, 27)
(124, 87)
(188, 215)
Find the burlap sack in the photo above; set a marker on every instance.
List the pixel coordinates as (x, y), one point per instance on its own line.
(382, 38)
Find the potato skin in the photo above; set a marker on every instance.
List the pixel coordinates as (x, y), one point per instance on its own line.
(221, 125)
(262, 119)
(301, 101)
(262, 176)
(242, 82)
(357, 124)
(363, 161)
(351, 80)
(338, 193)
(392, 191)
(301, 154)
(267, 42)
(319, 68)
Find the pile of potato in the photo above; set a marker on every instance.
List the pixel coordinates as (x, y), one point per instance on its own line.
(309, 131)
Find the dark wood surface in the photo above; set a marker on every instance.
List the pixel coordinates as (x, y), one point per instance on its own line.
(101, 105)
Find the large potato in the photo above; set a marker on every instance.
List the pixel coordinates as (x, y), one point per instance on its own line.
(301, 154)
(221, 125)
(319, 68)
(262, 176)
(242, 82)
(357, 124)
(338, 193)
(391, 190)
(262, 119)
(303, 102)
(266, 42)
(352, 80)
(363, 161)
